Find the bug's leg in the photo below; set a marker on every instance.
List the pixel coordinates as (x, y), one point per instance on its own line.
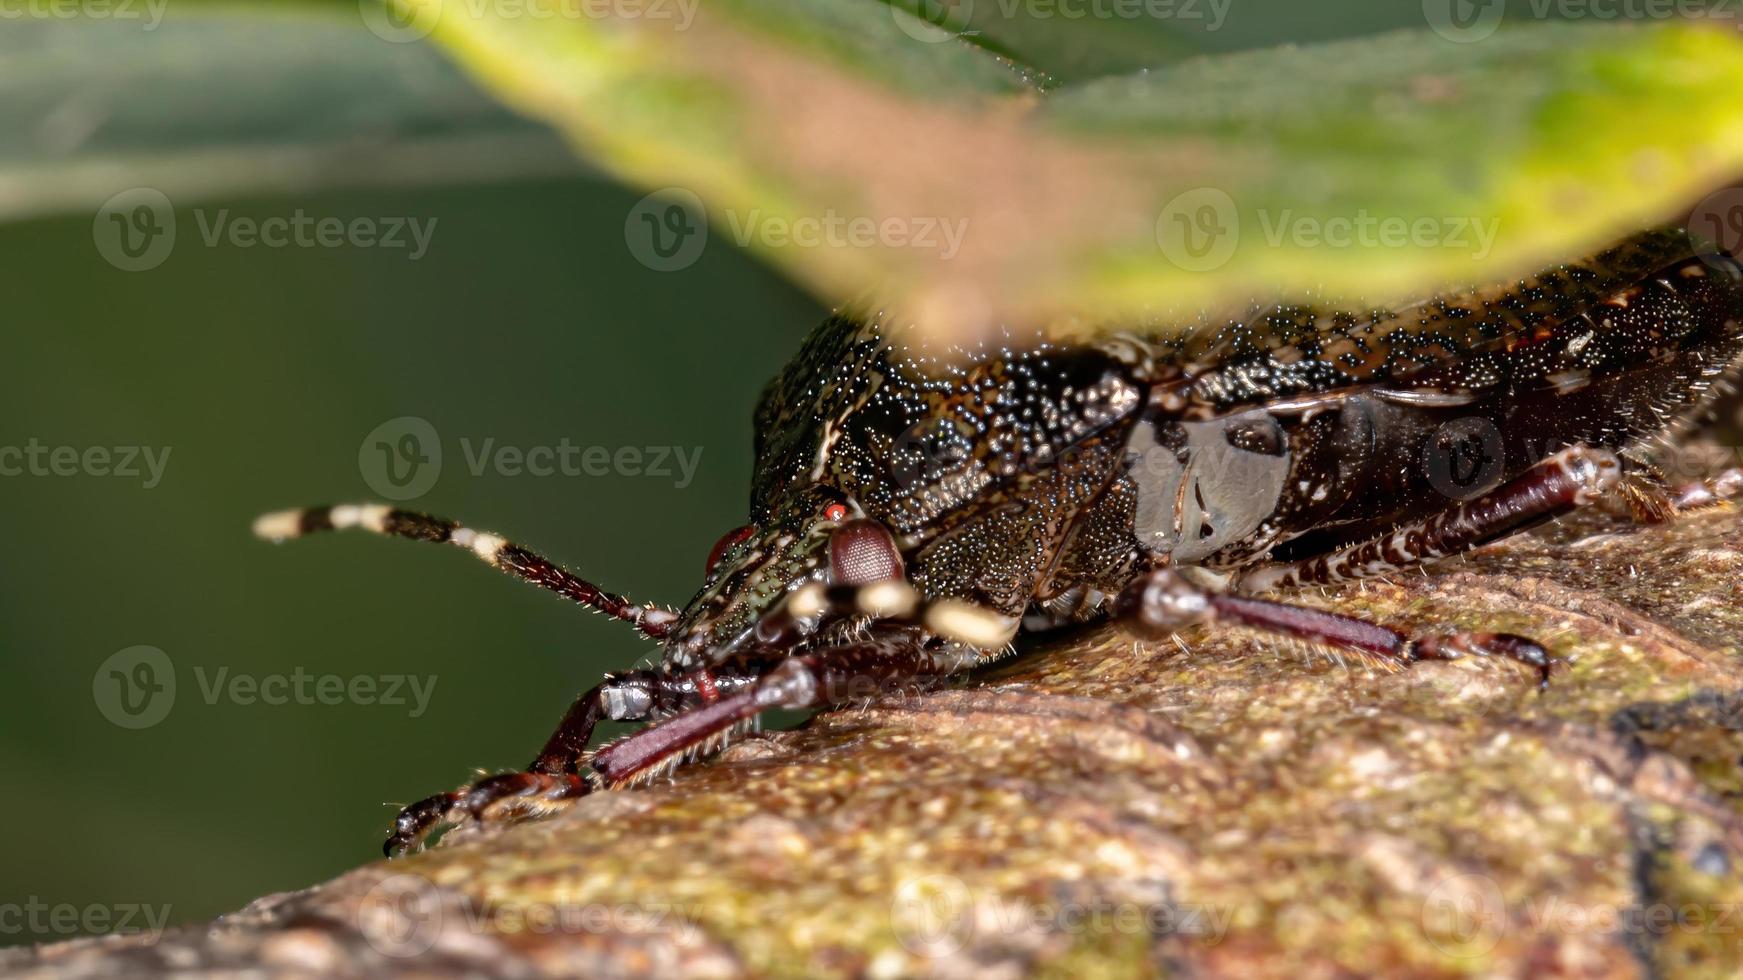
(810, 680)
(652, 620)
(1711, 491)
(554, 776)
(1163, 601)
(1573, 478)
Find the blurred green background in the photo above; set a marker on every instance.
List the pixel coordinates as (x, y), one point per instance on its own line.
(261, 371)
(264, 373)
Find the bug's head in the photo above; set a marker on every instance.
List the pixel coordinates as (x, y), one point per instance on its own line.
(818, 535)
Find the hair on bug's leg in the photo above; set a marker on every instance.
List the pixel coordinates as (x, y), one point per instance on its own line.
(1710, 492)
(1164, 601)
(889, 601)
(1573, 478)
(653, 620)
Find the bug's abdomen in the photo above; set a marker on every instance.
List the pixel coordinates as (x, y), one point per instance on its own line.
(1632, 369)
(1299, 474)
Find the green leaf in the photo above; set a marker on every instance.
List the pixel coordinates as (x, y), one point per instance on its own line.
(1091, 203)
(208, 100)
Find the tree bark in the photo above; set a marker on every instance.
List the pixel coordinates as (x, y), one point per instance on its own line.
(1106, 807)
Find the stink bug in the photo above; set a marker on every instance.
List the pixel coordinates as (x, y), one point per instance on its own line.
(907, 519)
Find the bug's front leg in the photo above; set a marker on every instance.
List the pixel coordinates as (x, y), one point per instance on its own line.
(829, 676)
(554, 777)
(1163, 601)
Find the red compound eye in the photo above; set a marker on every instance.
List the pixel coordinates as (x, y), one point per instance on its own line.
(862, 552)
(725, 543)
(835, 512)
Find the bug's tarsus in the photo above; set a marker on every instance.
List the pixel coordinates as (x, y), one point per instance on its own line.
(652, 620)
(532, 792)
(1711, 491)
(1511, 646)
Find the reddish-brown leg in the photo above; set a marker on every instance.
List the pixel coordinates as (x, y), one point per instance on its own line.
(555, 775)
(1164, 602)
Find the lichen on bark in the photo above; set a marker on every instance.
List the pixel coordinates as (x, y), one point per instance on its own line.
(1107, 807)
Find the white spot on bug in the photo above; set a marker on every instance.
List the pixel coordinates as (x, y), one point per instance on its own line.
(808, 600)
(965, 622)
(370, 517)
(889, 599)
(481, 543)
(279, 525)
